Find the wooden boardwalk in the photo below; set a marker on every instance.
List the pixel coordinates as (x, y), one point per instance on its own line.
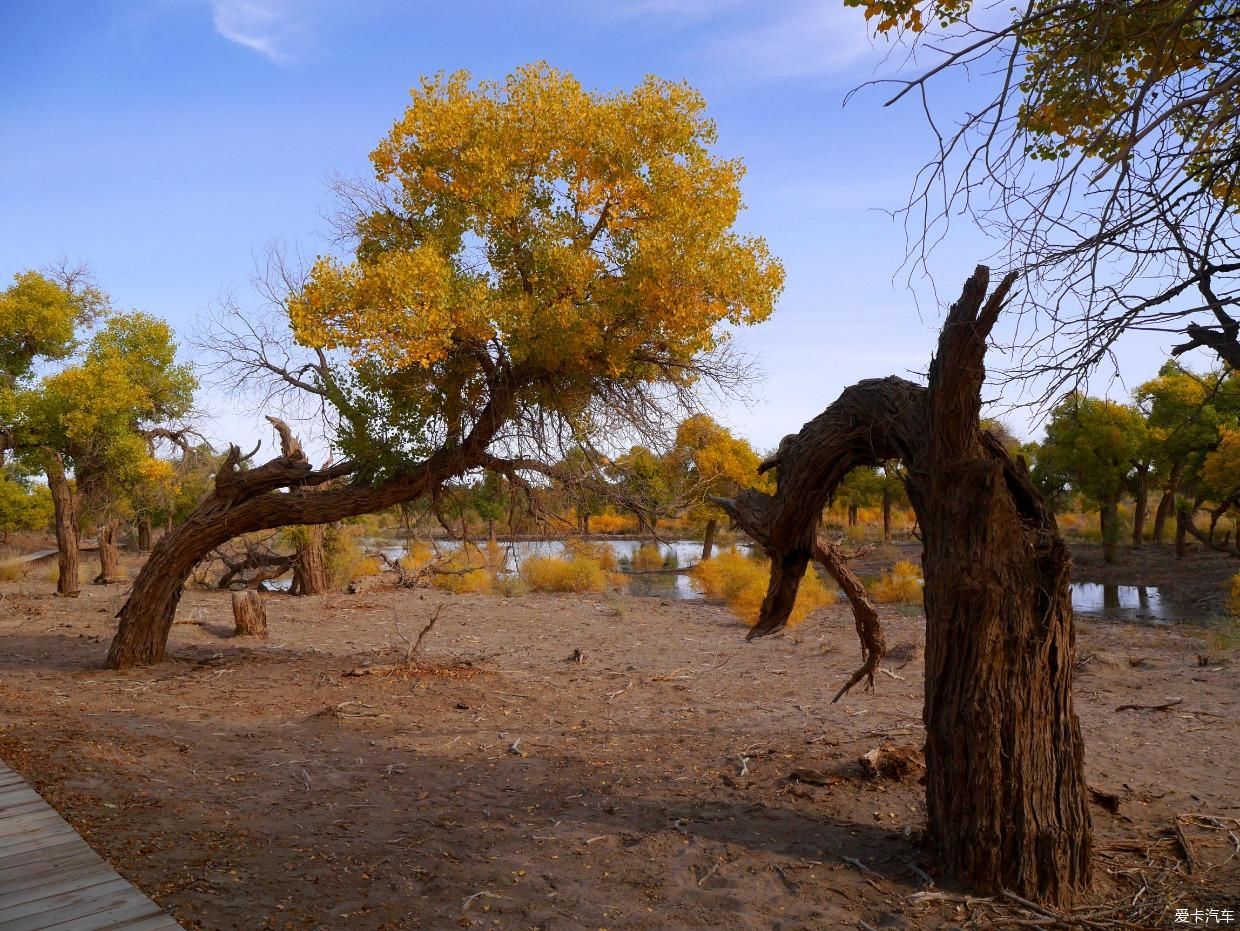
(50, 878)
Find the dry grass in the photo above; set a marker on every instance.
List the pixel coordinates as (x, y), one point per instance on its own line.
(741, 582)
(574, 574)
(901, 584)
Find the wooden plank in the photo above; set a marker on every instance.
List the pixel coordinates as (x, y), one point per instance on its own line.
(54, 853)
(50, 877)
(56, 885)
(50, 868)
(103, 910)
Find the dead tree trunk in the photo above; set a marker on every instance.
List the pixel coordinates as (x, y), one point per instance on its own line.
(1005, 788)
(144, 534)
(249, 615)
(310, 571)
(109, 555)
(708, 539)
(64, 506)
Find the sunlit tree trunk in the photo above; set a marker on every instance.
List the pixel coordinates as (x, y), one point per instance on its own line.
(64, 504)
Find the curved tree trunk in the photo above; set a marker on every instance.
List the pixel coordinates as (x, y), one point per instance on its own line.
(1167, 502)
(109, 555)
(310, 572)
(708, 539)
(1005, 789)
(244, 501)
(64, 505)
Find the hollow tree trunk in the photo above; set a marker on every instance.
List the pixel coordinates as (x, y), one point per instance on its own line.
(1109, 520)
(1140, 504)
(144, 534)
(1167, 502)
(64, 506)
(708, 539)
(1005, 789)
(310, 574)
(244, 501)
(109, 555)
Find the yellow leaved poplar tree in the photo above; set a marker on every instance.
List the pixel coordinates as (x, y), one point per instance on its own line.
(534, 262)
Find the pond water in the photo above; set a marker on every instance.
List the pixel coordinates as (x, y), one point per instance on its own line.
(679, 553)
(1125, 603)
(1141, 603)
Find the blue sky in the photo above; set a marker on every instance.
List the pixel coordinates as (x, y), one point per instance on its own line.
(167, 142)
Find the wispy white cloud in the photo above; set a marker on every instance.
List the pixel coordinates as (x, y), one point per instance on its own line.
(264, 26)
(801, 40)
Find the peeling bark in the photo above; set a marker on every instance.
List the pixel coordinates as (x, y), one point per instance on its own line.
(1005, 788)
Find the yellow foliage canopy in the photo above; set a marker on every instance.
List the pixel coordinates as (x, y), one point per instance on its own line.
(571, 237)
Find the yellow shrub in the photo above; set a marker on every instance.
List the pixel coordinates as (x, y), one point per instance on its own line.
(741, 581)
(463, 573)
(577, 574)
(601, 553)
(417, 556)
(648, 556)
(724, 576)
(1233, 602)
(612, 523)
(899, 585)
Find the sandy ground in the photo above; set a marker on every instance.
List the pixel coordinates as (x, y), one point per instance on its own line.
(256, 784)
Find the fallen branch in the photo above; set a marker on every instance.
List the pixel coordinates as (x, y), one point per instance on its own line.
(1163, 707)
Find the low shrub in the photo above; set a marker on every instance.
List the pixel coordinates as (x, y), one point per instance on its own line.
(648, 556)
(901, 584)
(464, 572)
(1233, 601)
(602, 553)
(574, 574)
(741, 582)
(13, 571)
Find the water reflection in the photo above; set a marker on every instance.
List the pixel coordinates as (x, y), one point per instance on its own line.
(1121, 602)
(681, 553)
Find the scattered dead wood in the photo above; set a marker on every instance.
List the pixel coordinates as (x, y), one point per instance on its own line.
(1191, 856)
(892, 762)
(1171, 703)
(1106, 800)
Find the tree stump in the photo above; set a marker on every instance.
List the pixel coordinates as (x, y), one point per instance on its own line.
(249, 615)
